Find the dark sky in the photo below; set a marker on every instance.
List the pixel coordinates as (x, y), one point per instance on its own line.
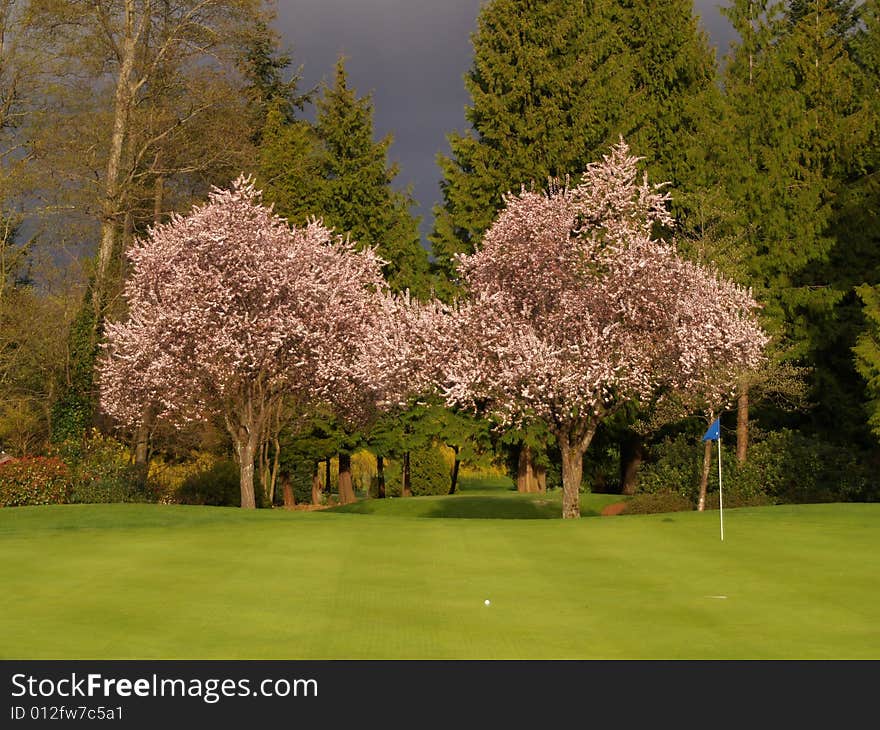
(412, 56)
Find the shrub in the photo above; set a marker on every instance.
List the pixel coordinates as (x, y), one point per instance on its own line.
(166, 475)
(738, 499)
(646, 504)
(674, 467)
(429, 472)
(792, 467)
(33, 481)
(782, 467)
(217, 486)
(102, 471)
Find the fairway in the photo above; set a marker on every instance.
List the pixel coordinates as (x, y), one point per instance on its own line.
(175, 582)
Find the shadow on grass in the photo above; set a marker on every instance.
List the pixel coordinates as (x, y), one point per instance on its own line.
(495, 508)
(499, 506)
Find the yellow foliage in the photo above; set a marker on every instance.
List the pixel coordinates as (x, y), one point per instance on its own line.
(171, 475)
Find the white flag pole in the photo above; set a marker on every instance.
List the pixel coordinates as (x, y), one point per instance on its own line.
(720, 500)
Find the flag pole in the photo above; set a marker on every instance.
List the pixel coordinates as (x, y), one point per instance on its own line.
(720, 500)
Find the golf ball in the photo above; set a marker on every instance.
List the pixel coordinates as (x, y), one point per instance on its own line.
(486, 601)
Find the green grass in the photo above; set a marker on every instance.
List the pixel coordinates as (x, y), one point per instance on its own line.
(492, 498)
(151, 581)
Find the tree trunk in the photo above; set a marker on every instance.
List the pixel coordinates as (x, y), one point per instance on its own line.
(142, 443)
(541, 475)
(742, 425)
(704, 476)
(111, 202)
(525, 479)
(316, 484)
(456, 464)
(287, 490)
(406, 490)
(380, 477)
(346, 487)
(158, 195)
(632, 454)
(572, 472)
(327, 477)
(245, 452)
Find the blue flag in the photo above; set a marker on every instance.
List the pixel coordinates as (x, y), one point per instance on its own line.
(713, 433)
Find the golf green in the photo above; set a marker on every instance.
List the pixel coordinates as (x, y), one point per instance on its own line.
(411, 579)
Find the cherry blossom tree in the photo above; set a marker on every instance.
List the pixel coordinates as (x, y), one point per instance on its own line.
(574, 308)
(232, 310)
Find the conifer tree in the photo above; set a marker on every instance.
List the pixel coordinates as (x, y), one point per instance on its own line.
(335, 170)
(553, 85)
(867, 352)
(792, 119)
(547, 87)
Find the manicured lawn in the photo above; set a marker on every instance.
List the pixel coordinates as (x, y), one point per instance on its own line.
(150, 581)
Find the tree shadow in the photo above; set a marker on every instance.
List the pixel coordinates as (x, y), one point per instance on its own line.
(501, 508)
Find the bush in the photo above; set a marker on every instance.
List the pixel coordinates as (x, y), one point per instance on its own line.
(656, 502)
(791, 467)
(167, 475)
(782, 467)
(738, 499)
(674, 467)
(217, 486)
(429, 472)
(102, 471)
(34, 481)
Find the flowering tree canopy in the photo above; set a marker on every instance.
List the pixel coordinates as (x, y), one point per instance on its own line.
(574, 308)
(231, 309)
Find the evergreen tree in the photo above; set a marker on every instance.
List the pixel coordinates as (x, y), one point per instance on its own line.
(867, 352)
(357, 195)
(548, 87)
(336, 171)
(793, 118)
(264, 66)
(673, 70)
(857, 256)
(552, 85)
(291, 166)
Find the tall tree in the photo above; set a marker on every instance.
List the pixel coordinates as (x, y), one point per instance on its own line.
(132, 49)
(547, 87)
(144, 108)
(552, 85)
(231, 311)
(337, 171)
(575, 309)
(793, 116)
(673, 70)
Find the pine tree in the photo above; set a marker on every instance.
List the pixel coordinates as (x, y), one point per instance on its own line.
(548, 88)
(333, 169)
(291, 166)
(792, 119)
(673, 70)
(867, 352)
(553, 84)
(357, 196)
(856, 259)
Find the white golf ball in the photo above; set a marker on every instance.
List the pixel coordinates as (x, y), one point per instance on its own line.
(486, 601)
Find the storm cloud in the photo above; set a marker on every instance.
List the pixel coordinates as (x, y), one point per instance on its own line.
(411, 55)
